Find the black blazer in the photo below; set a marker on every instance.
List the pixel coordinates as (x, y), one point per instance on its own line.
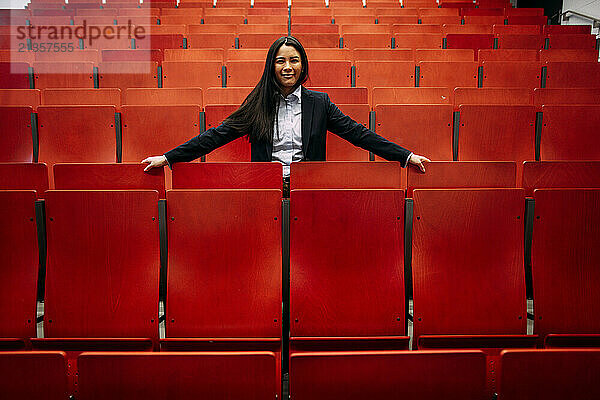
(319, 115)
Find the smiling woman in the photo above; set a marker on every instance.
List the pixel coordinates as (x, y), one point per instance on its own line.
(286, 122)
(288, 67)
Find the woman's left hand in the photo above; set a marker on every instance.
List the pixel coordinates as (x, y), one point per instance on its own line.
(418, 161)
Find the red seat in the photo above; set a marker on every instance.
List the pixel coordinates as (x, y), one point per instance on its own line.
(154, 129)
(507, 55)
(178, 375)
(244, 73)
(76, 176)
(202, 74)
(410, 27)
(467, 245)
(468, 28)
(50, 20)
(18, 287)
(329, 73)
(434, 10)
(211, 40)
(278, 29)
(14, 75)
(398, 19)
(95, 20)
(81, 96)
(345, 175)
(567, 41)
(354, 19)
(147, 55)
(189, 19)
(24, 176)
(411, 95)
(16, 140)
(339, 149)
(560, 174)
(568, 29)
(418, 40)
(441, 19)
(245, 55)
(500, 29)
(484, 20)
(207, 54)
(385, 73)
(506, 96)
(469, 41)
(444, 55)
(361, 40)
(524, 11)
(160, 41)
(572, 74)
(569, 132)
(527, 19)
(124, 41)
(33, 375)
(223, 19)
(571, 55)
(345, 95)
(422, 128)
(63, 74)
(60, 137)
(258, 40)
(163, 96)
(308, 40)
(371, 54)
(102, 282)
(326, 313)
(76, 55)
(463, 174)
(380, 375)
(14, 56)
(197, 313)
(533, 42)
(224, 175)
(525, 74)
(497, 133)
(566, 96)
(230, 95)
(236, 151)
(212, 28)
(449, 74)
(549, 374)
(123, 75)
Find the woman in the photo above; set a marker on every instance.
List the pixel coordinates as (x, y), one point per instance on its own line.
(284, 121)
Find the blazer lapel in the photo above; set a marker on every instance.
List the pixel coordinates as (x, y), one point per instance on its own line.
(308, 104)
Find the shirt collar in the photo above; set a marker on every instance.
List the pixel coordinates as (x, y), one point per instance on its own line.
(295, 95)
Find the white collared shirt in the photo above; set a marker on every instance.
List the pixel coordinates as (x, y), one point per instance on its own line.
(287, 132)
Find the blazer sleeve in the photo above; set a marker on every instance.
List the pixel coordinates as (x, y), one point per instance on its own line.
(202, 144)
(346, 128)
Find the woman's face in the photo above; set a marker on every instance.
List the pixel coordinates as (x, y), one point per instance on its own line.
(288, 67)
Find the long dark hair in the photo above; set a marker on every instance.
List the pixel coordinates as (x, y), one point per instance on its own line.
(256, 116)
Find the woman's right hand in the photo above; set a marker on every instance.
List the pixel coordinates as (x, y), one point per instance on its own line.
(154, 162)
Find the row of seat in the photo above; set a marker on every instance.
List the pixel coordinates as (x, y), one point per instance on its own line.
(191, 27)
(370, 74)
(315, 175)
(475, 132)
(427, 375)
(340, 95)
(301, 8)
(454, 233)
(314, 54)
(311, 16)
(126, 37)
